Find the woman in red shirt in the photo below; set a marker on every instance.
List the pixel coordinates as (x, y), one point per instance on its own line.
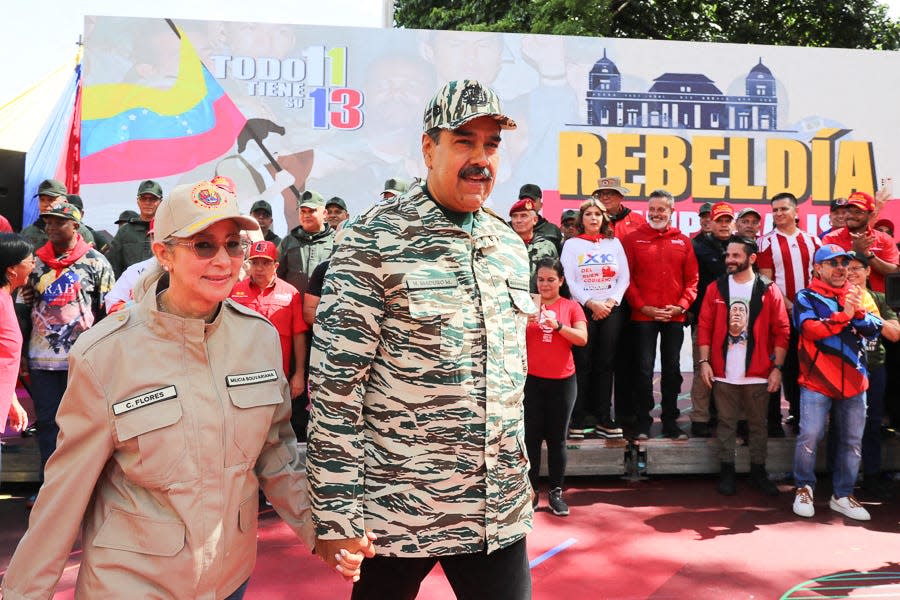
(550, 388)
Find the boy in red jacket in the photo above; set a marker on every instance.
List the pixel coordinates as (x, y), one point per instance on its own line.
(742, 339)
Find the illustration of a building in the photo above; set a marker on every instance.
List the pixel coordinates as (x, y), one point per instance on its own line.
(681, 101)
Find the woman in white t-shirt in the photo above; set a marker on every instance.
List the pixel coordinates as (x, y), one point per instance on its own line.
(596, 270)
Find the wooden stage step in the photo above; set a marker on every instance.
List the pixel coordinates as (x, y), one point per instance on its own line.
(588, 457)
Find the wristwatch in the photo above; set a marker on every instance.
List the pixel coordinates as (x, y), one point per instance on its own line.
(559, 328)
(779, 367)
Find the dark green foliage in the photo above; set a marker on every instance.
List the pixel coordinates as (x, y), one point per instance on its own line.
(824, 23)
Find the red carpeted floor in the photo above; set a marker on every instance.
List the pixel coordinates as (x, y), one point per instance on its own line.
(666, 537)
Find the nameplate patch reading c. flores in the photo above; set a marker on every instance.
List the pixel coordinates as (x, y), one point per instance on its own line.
(251, 378)
(166, 393)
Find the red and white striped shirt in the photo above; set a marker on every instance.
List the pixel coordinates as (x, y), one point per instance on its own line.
(790, 257)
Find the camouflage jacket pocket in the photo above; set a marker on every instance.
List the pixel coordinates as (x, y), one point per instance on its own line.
(437, 321)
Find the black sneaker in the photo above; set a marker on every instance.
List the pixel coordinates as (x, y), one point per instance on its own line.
(557, 505)
(700, 429)
(673, 432)
(608, 429)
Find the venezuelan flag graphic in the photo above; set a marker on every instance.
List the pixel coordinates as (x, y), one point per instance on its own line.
(131, 132)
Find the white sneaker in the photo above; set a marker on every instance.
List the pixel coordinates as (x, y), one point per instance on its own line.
(849, 507)
(803, 502)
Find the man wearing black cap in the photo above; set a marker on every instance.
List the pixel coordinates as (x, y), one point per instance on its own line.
(262, 212)
(132, 242)
(50, 192)
(544, 228)
(306, 245)
(336, 211)
(124, 217)
(705, 221)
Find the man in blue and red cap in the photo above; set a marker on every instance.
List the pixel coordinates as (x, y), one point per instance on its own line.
(834, 331)
(859, 236)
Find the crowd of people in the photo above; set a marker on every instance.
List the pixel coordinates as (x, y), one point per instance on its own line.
(425, 349)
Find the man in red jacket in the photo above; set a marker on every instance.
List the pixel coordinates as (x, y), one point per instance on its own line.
(742, 325)
(663, 286)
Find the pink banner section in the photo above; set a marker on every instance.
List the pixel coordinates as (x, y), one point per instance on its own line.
(813, 216)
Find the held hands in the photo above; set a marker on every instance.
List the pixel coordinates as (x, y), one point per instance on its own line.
(346, 555)
(664, 314)
(600, 309)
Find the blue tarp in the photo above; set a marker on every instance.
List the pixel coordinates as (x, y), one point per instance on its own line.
(43, 157)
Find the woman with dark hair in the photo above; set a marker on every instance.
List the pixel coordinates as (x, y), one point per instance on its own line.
(597, 273)
(550, 385)
(16, 263)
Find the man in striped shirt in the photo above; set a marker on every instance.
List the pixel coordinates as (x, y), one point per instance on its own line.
(786, 257)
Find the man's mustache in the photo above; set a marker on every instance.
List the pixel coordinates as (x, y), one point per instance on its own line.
(475, 172)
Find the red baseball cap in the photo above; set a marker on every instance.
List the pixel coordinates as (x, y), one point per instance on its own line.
(862, 201)
(523, 204)
(264, 250)
(721, 209)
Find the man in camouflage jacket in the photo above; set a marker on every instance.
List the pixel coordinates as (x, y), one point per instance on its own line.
(418, 370)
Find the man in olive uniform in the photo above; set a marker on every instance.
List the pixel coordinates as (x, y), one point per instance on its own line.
(308, 244)
(523, 218)
(50, 193)
(543, 228)
(132, 242)
(418, 371)
(262, 212)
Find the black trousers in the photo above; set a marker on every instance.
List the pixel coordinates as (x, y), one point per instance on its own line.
(548, 405)
(671, 335)
(594, 365)
(500, 575)
(790, 375)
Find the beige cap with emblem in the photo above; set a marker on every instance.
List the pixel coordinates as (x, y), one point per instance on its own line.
(191, 208)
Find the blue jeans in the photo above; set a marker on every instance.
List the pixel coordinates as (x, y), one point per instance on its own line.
(47, 389)
(850, 416)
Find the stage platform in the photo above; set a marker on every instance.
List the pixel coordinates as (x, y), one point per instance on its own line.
(587, 457)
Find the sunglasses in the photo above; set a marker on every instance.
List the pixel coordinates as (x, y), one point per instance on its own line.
(844, 262)
(207, 249)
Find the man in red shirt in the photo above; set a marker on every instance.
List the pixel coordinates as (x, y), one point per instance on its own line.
(858, 235)
(280, 303)
(663, 286)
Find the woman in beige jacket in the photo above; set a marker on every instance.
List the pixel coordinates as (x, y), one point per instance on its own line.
(176, 412)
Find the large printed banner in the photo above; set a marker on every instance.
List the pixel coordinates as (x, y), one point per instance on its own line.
(283, 108)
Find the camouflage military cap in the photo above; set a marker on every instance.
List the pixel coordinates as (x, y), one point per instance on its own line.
(64, 210)
(458, 102)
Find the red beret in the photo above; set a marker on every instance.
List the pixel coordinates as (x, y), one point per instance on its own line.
(523, 204)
